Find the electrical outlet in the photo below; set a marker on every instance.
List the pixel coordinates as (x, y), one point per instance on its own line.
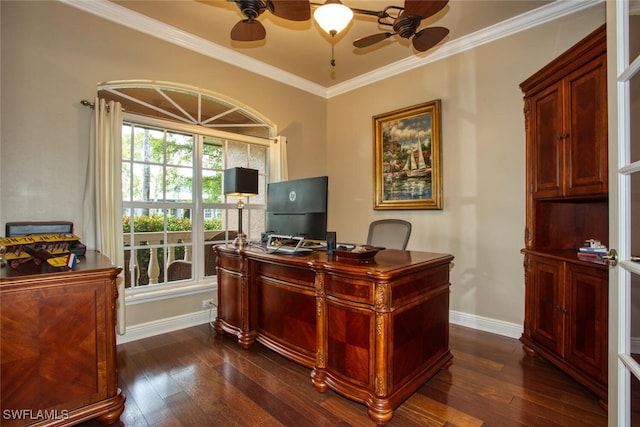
(207, 303)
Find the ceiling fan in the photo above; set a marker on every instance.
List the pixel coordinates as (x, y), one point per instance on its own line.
(250, 29)
(405, 22)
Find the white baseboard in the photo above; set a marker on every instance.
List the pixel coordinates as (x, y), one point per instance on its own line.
(506, 329)
(486, 324)
(157, 327)
(169, 324)
(161, 326)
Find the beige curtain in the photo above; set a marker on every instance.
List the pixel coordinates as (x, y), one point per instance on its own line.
(103, 191)
(278, 159)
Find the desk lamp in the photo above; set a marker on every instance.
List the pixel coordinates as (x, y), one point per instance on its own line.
(240, 182)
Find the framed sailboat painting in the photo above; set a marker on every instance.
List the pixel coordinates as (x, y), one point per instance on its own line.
(408, 158)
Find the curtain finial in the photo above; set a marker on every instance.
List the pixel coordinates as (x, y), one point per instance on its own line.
(88, 104)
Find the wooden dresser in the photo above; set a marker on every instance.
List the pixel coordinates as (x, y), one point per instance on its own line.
(566, 306)
(57, 344)
(372, 332)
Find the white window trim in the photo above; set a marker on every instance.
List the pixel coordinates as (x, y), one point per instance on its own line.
(189, 128)
(159, 293)
(146, 294)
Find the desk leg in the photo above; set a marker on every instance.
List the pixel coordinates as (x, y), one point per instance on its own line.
(379, 408)
(246, 339)
(116, 408)
(380, 416)
(217, 327)
(319, 372)
(318, 380)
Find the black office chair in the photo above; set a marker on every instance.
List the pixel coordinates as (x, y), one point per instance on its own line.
(389, 233)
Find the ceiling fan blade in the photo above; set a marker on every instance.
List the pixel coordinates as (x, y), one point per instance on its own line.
(424, 8)
(372, 39)
(248, 30)
(427, 38)
(293, 10)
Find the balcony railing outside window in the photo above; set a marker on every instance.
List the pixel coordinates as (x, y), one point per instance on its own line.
(174, 210)
(153, 259)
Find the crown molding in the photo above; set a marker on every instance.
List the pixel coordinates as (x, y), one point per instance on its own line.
(139, 22)
(506, 28)
(136, 21)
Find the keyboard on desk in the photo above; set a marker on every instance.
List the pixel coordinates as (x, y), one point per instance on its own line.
(286, 245)
(288, 250)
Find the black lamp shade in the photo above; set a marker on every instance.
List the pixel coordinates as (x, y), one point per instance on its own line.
(240, 182)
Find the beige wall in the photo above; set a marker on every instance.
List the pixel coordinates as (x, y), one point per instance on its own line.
(482, 223)
(53, 56)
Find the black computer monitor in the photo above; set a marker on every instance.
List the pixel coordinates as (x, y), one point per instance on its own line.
(298, 208)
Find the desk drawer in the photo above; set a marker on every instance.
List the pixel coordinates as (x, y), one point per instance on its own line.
(418, 285)
(230, 262)
(353, 290)
(286, 273)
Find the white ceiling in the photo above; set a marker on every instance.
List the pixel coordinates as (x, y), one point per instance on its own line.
(299, 53)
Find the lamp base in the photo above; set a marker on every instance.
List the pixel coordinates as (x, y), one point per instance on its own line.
(240, 241)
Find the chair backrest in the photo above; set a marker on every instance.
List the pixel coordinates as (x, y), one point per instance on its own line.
(178, 270)
(389, 233)
(210, 256)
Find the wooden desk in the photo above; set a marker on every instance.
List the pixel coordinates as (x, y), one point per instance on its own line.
(372, 332)
(57, 344)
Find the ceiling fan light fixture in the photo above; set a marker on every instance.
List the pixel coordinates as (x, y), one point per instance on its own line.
(333, 16)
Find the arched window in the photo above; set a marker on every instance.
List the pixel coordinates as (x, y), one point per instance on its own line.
(176, 143)
(188, 105)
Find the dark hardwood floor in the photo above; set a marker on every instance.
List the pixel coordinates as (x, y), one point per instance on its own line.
(193, 377)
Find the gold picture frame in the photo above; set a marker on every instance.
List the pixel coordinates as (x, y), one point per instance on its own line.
(408, 158)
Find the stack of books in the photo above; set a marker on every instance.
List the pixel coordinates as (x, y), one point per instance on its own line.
(592, 250)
